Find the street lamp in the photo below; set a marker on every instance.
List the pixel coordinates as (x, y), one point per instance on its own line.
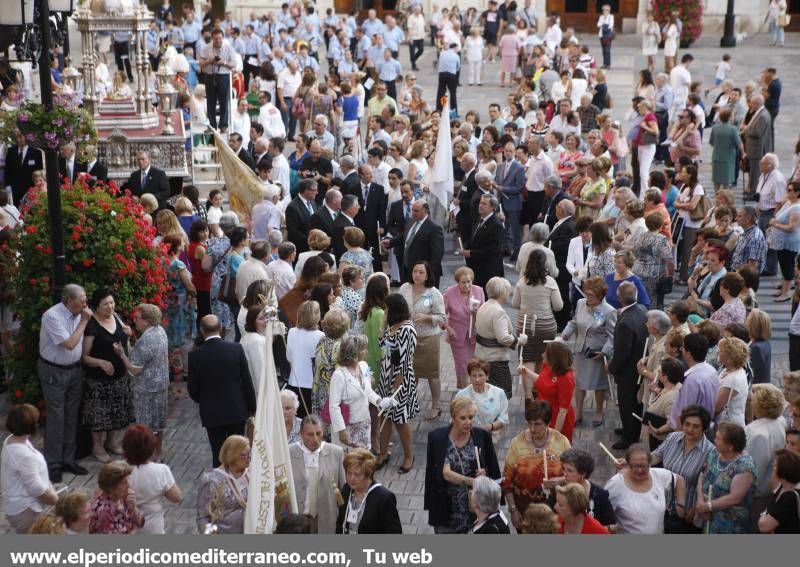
(20, 13)
(729, 39)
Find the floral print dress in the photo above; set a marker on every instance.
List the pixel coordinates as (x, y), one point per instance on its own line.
(218, 248)
(719, 477)
(461, 460)
(181, 312)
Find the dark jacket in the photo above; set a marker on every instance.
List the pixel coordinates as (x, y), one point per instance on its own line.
(380, 512)
(155, 183)
(630, 334)
(298, 221)
(437, 502)
(427, 244)
(99, 171)
(350, 185)
(77, 168)
(372, 213)
(548, 214)
(396, 225)
(494, 525)
(464, 216)
(341, 223)
(486, 250)
(246, 158)
(322, 220)
(558, 242)
(20, 175)
(219, 381)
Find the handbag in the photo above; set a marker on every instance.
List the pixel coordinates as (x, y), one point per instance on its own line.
(227, 288)
(701, 209)
(784, 20)
(325, 412)
(673, 524)
(647, 138)
(664, 285)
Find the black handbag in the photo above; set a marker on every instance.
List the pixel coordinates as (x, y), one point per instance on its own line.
(673, 524)
(664, 285)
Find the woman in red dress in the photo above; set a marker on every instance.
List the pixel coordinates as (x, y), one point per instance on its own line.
(572, 507)
(555, 384)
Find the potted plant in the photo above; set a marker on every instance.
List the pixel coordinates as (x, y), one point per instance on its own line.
(49, 129)
(691, 15)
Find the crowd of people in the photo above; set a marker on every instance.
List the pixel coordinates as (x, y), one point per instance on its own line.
(600, 220)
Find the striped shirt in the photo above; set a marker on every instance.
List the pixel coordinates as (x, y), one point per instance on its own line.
(751, 246)
(688, 465)
(771, 190)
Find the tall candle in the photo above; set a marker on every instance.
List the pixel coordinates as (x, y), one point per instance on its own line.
(477, 457)
(544, 457)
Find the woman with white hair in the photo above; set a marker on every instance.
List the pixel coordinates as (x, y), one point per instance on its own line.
(484, 501)
(658, 325)
(537, 236)
(290, 402)
(495, 333)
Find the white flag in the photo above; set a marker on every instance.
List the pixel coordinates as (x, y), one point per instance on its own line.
(271, 491)
(440, 177)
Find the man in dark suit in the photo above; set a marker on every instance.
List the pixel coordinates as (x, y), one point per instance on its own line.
(484, 252)
(299, 212)
(349, 182)
(630, 334)
(220, 382)
(235, 141)
(399, 215)
(553, 196)
(325, 216)
(483, 180)
(347, 217)
(96, 169)
(148, 179)
(21, 161)
(468, 188)
(558, 241)
(423, 239)
(509, 182)
(68, 165)
(372, 213)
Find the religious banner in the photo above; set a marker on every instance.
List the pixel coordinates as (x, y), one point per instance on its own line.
(243, 185)
(439, 178)
(271, 491)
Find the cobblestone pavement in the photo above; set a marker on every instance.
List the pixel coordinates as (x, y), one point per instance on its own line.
(186, 446)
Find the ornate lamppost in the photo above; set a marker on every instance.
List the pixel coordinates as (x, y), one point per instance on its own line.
(729, 39)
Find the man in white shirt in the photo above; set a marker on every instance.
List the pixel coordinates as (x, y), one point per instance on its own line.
(538, 168)
(266, 215)
(280, 170)
(216, 61)
(289, 80)
(61, 375)
(280, 271)
(320, 132)
(380, 169)
(416, 35)
(771, 192)
(270, 117)
(680, 79)
(253, 269)
(560, 122)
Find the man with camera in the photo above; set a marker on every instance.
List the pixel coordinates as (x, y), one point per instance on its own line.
(217, 59)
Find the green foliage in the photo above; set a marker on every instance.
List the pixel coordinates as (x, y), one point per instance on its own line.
(108, 243)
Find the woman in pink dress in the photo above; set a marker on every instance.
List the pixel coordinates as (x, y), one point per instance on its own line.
(461, 302)
(509, 52)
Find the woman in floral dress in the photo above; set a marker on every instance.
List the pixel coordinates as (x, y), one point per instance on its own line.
(180, 312)
(356, 255)
(729, 472)
(653, 257)
(216, 261)
(397, 380)
(334, 325)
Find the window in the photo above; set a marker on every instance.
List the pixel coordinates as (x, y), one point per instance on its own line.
(576, 6)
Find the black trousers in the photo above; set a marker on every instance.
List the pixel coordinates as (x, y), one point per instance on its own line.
(663, 124)
(606, 53)
(203, 305)
(786, 263)
(628, 405)
(447, 82)
(415, 49)
(794, 352)
(391, 88)
(305, 400)
(217, 436)
(635, 185)
(218, 88)
(249, 70)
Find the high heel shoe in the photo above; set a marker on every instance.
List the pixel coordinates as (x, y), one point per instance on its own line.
(404, 470)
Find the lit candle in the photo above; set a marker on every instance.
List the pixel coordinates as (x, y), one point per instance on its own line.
(607, 452)
(524, 326)
(478, 457)
(544, 457)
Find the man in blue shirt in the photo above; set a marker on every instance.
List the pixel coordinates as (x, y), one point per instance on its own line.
(372, 25)
(393, 36)
(250, 58)
(375, 52)
(449, 66)
(191, 27)
(363, 43)
(389, 70)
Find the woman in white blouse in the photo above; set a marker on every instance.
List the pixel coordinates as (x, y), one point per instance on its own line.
(732, 394)
(351, 394)
(427, 312)
(605, 31)
(301, 348)
(23, 471)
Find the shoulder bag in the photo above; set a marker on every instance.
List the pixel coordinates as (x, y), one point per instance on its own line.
(227, 287)
(701, 209)
(673, 524)
(325, 412)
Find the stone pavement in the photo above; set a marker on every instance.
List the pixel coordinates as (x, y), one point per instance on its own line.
(186, 446)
